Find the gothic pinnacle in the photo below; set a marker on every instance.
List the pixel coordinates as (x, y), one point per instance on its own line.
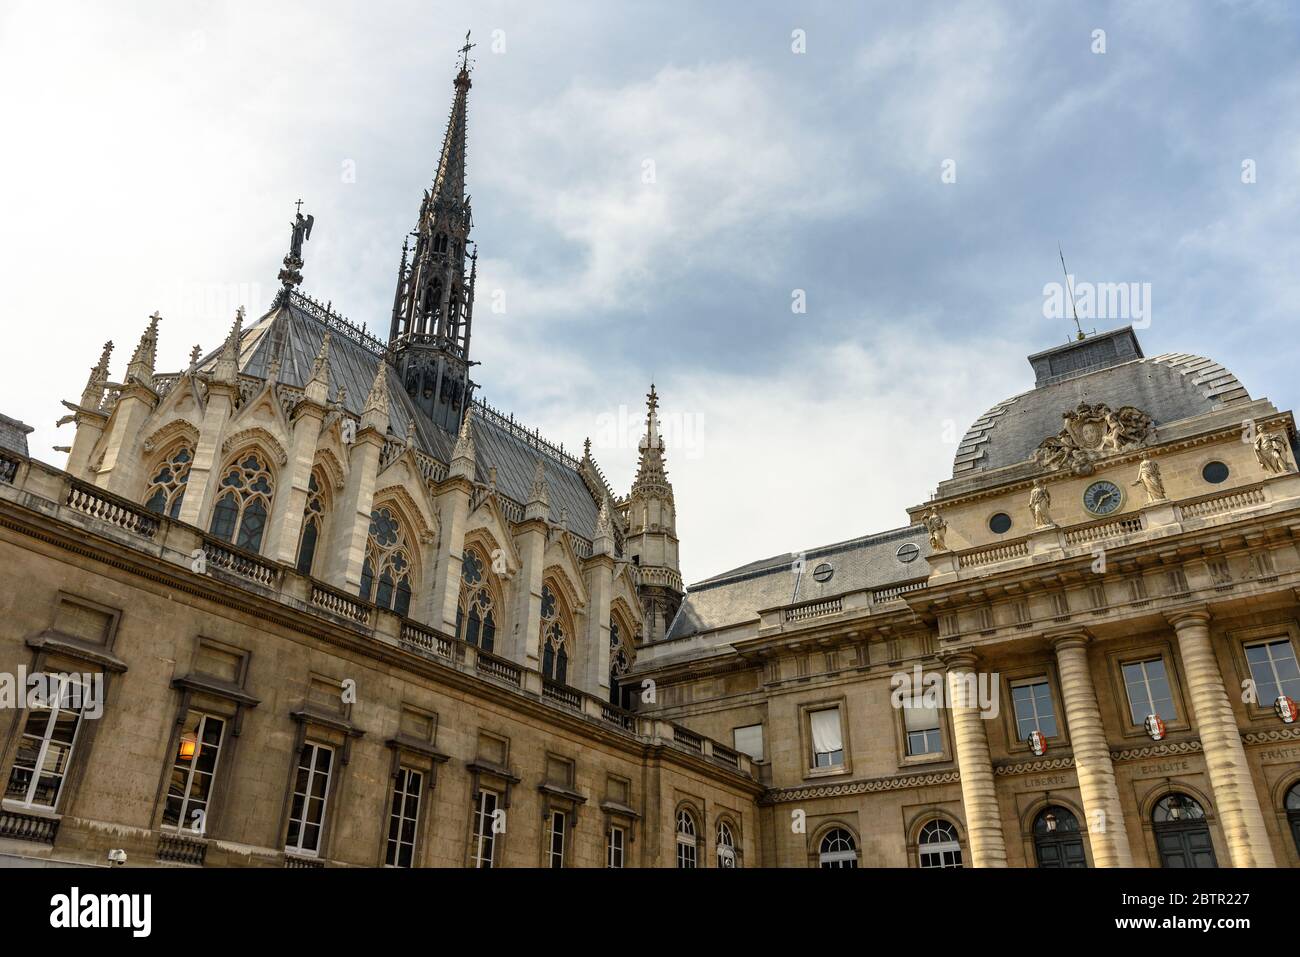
(318, 386)
(227, 368)
(146, 353)
(539, 497)
(375, 414)
(463, 456)
(93, 395)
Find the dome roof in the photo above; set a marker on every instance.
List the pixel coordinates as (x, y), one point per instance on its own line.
(1108, 368)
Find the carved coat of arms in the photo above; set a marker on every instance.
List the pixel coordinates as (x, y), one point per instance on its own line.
(1090, 432)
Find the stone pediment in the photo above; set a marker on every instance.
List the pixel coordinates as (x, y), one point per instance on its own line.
(1090, 432)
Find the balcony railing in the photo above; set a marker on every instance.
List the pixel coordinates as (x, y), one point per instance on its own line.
(109, 508)
(562, 693)
(28, 827)
(688, 739)
(1241, 498)
(340, 604)
(428, 642)
(1103, 530)
(988, 556)
(220, 555)
(499, 668)
(615, 715)
(181, 850)
(895, 592)
(816, 609)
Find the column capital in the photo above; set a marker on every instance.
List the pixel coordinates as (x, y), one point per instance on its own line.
(1187, 617)
(960, 659)
(1069, 638)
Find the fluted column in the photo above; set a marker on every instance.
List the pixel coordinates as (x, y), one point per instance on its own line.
(1234, 789)
(1106, 830)
(970, 740)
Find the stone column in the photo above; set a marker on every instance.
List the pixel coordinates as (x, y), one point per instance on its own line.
(530, 543)
(1106, 830)
(351, 520)
(290, 502)
(453, 513)
(200, 489)
(1234, 789)
(600, 590)
(970, 742)
(120, 470)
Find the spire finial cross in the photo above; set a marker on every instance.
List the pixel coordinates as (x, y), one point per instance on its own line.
(299, 205)
(464, 51)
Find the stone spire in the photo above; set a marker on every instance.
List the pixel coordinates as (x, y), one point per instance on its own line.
(432, 305)
(318, 386)
(650, 538)
(603, 543)
(650, 470)
(539, 497)
(375, 414)
(93, 395)
(227, 367)
(141, 366)
(463, 456)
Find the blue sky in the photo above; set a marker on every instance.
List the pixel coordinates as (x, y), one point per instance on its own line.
(154, 153)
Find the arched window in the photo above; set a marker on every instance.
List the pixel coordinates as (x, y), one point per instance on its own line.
(476, 620)
(313, 524)
(838, 849)
(726, 845)
(555, 637)
(939, 846)
(686, 839)
(386, 572)
(243, 503)
(1181, 832)
(619, 662)
(1057, 842)
(440, 243)
(167, 487)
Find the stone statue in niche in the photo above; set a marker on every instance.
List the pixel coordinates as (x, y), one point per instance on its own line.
(1040, 503)
(938, 529)
(1150, 480)
(1090, 432)
(1270, 449)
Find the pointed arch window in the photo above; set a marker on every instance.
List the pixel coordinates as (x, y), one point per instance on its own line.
(476, 616)
(386, 572)
(726, 845)
(620, 694)
(440, 243)
(167, 486)
(313, 525)
(243, 503)
(555, 637)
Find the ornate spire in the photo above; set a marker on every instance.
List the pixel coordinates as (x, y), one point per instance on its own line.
(146, 353)
(93, 395)
(318, 386)
(291, 274)
(227, 367)
(539, 497)
(650, 466)
(463, 456)
(195, 355)
(375, 413)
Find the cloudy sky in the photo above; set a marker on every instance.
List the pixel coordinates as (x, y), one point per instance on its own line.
(656, 187)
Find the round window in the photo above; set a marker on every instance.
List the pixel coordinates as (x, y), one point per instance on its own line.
(1214, 472)
(907, 552)
(823, 572)
(1000, 523)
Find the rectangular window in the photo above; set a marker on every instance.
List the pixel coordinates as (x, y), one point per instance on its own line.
(1032, 701)
(402, 817)
(614, 847)
(827, 738)
(1147, 685)
(45, 748)
(749, 740)
(193, 772)
(921, 722)
(484, 834)
(555, 856)
(310, 791)
(1273, 668)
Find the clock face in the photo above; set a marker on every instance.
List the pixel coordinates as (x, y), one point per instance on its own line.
(1102, 498)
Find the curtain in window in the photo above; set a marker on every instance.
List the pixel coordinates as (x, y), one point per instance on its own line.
(826, 731)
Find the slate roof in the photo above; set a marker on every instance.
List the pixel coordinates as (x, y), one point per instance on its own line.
(1169, 388)
(737, 596)
(300, 324)
(13, 435)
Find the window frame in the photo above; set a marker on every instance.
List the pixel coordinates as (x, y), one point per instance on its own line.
(181, 827)
(298, 850)
(922, 848)
(850, 859)
(1033, 674)
(1119, 687)
(1240, 639)
(24, 716)
(686, 846)
(811, 768)
(611, 846)
(481, 834)
(402, 788)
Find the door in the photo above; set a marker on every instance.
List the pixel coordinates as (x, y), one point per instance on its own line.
(1057, 841)
(1182, 834)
